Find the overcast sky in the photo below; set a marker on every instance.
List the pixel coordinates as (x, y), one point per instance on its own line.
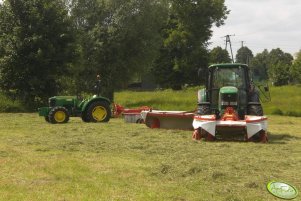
(261, 24)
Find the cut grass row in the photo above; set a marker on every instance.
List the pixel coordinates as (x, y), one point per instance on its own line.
(119, 161)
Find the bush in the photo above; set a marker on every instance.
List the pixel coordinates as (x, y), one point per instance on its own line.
(293, 114)
(277, 111)
(8, 105)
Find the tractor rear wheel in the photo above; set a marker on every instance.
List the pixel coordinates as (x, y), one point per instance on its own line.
(58, 115)
(84, 117)
(255, 110)
(203, 109)
(98, 111)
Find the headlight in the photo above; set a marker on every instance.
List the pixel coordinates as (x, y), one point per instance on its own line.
(229, 103)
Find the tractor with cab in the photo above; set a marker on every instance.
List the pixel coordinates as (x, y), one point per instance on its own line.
(229, 106)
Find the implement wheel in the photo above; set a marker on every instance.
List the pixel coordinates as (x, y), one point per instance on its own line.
(200, 133)
(58, 115)
(98, 111)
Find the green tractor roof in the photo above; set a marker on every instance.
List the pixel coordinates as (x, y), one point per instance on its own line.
(227, 65)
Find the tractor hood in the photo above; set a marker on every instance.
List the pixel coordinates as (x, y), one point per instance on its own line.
(63, 97)
(228, 97)
(61, 100)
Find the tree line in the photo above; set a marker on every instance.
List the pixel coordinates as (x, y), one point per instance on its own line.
(277, 66)
(51, 47)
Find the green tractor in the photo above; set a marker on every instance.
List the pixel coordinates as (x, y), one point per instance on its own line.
(93, 109)
(230, 103)
(229, 85)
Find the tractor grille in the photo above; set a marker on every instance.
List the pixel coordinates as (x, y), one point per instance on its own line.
(52, 102)
(229, 99)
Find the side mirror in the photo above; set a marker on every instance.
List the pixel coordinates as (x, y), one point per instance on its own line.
(266, 88)
(202, 72)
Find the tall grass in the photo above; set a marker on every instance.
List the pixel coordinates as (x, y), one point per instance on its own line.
(9, 105)
(286, 100)
(160, 99)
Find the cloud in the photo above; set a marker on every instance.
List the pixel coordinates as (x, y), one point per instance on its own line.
(262, 24)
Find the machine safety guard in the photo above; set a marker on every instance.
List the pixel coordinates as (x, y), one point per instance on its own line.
(253, 124)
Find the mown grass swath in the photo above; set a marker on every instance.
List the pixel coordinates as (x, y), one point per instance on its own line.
(119, 161)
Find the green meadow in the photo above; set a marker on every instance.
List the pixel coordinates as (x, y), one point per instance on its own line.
(122, 161)
(285, 100)
(130, 162)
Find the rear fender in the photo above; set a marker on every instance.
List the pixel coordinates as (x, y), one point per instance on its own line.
(85, 104)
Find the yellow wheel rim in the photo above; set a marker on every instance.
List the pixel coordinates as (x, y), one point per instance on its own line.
(60, 116)
(99, 113)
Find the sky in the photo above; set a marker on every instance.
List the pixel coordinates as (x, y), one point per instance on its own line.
(261, 24)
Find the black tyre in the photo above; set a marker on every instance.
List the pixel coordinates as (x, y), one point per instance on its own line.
(203, 109)
(58, 115)
(255, 110)
(84, 117)
(47, 118)
(98, 111)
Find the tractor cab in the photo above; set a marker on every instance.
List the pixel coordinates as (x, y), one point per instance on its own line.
(228, 85)
(229, 107)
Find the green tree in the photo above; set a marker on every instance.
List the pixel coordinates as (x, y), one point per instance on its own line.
(219, 55)
(36, 40)
(279, 64)
(296, 69)
(259, 66)
(117, 39)
(184, 49)
(244, 55)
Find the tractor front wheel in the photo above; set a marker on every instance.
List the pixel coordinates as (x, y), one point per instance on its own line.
(47, 118)
(98, 111)
(58, 115)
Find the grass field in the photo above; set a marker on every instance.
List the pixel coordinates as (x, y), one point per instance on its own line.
(285, 100)
(119, 161)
